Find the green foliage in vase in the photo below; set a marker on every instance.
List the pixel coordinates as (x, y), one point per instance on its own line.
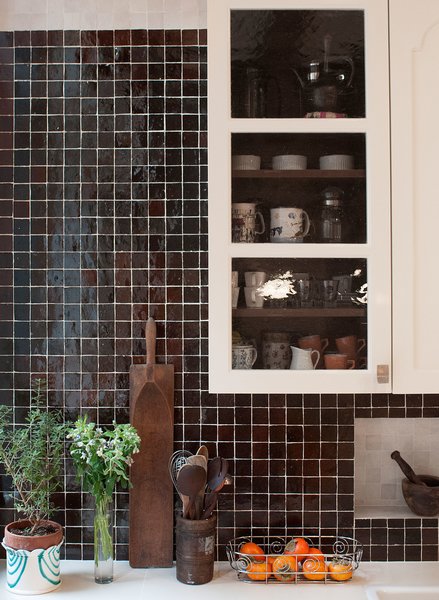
(102, 459)
(32, 455)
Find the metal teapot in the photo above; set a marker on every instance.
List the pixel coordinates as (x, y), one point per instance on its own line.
(325, 82)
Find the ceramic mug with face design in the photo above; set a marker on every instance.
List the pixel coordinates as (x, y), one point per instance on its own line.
(244, 227)
(288, 225)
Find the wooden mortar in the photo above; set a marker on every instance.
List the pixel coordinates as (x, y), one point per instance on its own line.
(422, 500)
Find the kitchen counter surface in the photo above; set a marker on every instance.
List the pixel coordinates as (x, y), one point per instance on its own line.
(78, 584)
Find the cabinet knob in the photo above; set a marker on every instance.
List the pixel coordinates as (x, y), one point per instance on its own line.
(383, 373)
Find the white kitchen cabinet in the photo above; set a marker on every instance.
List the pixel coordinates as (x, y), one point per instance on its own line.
(414, 37)
(258, 106)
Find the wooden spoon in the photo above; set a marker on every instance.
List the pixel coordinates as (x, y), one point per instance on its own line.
(190, 480)
(209, 504)
(203, 451)
(211, 498)
(216, 472)
(406, 469)
(201, 461)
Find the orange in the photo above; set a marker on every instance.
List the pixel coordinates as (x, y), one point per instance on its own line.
(314, 569)
(316, 553)
(297, 546)
(252, 550)
(259, 571)
(285, 567)
(340, 569)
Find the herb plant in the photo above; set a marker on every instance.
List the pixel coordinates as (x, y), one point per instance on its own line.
(32, 455)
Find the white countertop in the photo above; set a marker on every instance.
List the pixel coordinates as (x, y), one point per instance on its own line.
(78, 584)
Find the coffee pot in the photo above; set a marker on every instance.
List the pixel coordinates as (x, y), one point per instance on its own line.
(325, 82)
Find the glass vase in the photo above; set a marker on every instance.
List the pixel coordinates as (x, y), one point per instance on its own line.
(103, 540)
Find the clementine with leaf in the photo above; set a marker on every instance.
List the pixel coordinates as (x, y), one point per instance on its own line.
(297, 546)
(258, 571)
(314, 569)
(285, 567)
(316, 553)
(253, 550)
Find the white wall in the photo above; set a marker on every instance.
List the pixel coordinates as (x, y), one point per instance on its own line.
(102, 14)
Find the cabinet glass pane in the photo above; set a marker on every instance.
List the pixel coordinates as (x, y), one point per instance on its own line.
(297, 63)
(298, 188)
(283, 309)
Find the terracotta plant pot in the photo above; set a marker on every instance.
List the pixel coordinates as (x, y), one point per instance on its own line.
(32, 542)
(32, 562)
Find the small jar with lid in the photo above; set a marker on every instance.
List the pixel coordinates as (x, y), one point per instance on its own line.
(331, 218)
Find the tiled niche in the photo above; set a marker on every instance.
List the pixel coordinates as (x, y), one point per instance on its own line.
(378, 478)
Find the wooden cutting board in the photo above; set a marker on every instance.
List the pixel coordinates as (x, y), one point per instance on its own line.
(151, 497)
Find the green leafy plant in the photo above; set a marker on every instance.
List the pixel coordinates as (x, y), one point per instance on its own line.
(101, 459)
(32, 455)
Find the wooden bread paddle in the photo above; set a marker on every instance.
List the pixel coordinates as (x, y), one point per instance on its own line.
(151, 497)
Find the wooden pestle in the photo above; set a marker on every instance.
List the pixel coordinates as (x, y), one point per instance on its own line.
(406, 469)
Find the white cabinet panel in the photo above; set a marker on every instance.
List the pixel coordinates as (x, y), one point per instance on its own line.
(414, 43)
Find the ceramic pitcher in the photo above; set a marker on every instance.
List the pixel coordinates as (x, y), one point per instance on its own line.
(304, 358)
(243, 356)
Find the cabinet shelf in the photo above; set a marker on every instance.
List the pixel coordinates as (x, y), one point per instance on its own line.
(251, 313)
(299, 174)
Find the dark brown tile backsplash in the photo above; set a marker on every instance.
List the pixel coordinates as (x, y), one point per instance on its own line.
(103, 206)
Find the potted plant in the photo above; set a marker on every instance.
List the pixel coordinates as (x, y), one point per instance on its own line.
(32, 455)
(102, 459)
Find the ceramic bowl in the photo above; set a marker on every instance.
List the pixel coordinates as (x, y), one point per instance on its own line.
(286, 162)
(246, 162)
(338, 162)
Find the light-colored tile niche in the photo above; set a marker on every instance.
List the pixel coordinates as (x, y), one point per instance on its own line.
(377, 477)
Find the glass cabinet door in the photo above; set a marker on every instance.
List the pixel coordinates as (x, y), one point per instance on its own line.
(297, 63)
(299, 248)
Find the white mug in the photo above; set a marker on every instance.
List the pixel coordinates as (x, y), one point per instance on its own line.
(234, 279)
(304, 358)
(255, 278)
(244, 215)
(235, 296)
(253, 298)
(243, 356)
(288, 224)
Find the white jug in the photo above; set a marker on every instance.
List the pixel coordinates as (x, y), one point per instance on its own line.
(304, 358)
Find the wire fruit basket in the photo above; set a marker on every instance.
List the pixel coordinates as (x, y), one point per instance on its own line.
(330, 560)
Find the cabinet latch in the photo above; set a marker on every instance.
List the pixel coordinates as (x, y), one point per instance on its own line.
(383, 373)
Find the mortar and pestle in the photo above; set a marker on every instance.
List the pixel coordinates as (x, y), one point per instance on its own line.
(421, 492)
